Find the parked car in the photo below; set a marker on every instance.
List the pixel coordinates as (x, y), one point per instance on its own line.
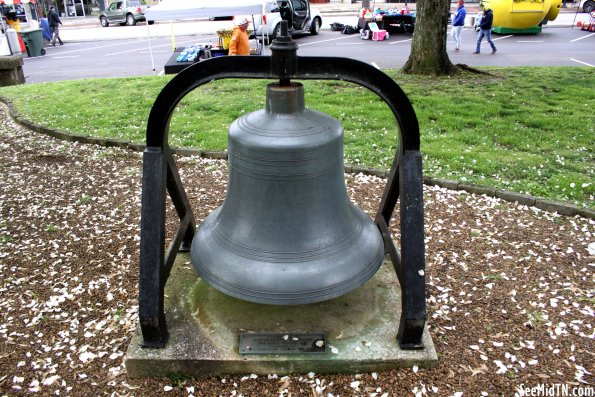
(300, 17)
(587, 5)
(124, 12)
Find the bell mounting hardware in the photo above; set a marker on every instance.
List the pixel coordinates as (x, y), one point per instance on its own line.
(268, 276)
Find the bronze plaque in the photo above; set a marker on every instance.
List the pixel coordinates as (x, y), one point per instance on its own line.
(279, 343)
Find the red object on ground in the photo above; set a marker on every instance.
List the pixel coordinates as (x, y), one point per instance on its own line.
(22, 44)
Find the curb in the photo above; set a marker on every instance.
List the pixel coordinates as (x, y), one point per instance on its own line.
(547, 205)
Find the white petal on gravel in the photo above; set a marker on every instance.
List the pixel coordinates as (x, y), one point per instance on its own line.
(501, 367)
(87, 356)
(50, 380)
(355, 384)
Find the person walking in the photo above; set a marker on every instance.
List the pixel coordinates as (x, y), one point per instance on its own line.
(458, 22)
(54, 21)
(240, 44)
(485, 30)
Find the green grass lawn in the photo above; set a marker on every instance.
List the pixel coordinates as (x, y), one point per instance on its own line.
(529, 129)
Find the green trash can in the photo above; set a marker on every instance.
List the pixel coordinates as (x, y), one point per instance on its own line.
(33, 39)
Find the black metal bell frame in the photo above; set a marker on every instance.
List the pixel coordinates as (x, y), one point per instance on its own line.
(160, 176)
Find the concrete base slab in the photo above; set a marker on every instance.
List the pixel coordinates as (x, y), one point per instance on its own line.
(204, 326)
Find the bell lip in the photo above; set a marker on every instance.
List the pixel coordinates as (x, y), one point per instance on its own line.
(252, 292)
(300, 298)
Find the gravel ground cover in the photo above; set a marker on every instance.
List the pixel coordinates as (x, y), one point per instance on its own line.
(510, 288)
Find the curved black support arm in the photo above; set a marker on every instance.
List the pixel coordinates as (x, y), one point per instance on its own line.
(283, 65)
(309, 68)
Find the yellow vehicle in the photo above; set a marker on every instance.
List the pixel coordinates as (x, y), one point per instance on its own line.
(522, 16)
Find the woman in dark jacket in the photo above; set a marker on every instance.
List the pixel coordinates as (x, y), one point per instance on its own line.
(485, 29)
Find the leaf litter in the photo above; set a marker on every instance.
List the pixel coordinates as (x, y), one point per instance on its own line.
(509, 288)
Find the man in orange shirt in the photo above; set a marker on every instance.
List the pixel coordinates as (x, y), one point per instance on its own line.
(240, 44)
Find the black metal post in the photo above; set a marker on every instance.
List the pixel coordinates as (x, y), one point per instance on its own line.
(152, 242)
(412, 278)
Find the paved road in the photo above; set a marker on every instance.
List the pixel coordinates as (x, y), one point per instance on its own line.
(133, 57)
(117, 51)
(553, 47)
(88, 29)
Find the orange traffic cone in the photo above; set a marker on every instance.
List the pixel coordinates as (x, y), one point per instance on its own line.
(22, 44)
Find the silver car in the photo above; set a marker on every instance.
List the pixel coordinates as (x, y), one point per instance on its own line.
(123, 12)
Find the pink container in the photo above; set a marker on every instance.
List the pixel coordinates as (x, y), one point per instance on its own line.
(379, 35)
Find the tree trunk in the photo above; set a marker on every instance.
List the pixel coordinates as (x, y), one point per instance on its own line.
(428, 50)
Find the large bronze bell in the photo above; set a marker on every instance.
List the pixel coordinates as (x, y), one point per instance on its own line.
(286, 233)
